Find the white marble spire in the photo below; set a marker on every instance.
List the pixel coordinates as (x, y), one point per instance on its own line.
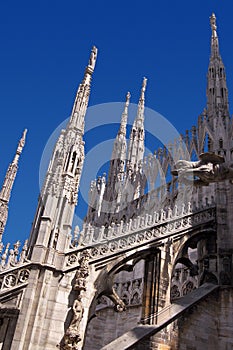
(8, 183)
(52, 225)
(217, 92)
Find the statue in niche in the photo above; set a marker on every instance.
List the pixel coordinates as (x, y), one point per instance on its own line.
(209, 168)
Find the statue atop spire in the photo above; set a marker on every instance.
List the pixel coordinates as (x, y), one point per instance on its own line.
(143, 89)
(8, 183)
(144, 85)
(141, 103)
(20, 146)
(214, 37)
(213, 24)
(82, 96)
(127, 99)
(93, 57)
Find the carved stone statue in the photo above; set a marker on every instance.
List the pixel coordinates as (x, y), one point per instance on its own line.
(78, 313)
(93, 56)
(213, 22)
(82, 272)
(72, 336)
(210, 168)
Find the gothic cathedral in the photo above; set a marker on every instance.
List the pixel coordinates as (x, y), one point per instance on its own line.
(152, 266)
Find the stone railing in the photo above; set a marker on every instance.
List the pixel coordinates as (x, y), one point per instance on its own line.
(13, 257)
(91, 235)
(119, 238)
(16, 277)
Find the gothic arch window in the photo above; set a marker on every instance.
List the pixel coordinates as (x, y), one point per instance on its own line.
(67, 162)
(220, 143)
(74, 155)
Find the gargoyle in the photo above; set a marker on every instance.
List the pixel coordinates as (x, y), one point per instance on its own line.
(209, 168)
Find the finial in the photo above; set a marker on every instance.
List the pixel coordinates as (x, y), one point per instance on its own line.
(92, 59)
(213, 24)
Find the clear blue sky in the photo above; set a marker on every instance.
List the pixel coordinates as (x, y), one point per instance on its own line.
(45, 47)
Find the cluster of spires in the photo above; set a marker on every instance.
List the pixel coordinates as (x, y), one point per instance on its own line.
(217, 99)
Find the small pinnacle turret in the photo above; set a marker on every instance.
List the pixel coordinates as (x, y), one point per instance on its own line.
(118, 159)
(119, 149)
(136, 142)
(8, 184)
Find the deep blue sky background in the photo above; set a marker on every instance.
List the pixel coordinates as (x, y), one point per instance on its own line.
(45, 47)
